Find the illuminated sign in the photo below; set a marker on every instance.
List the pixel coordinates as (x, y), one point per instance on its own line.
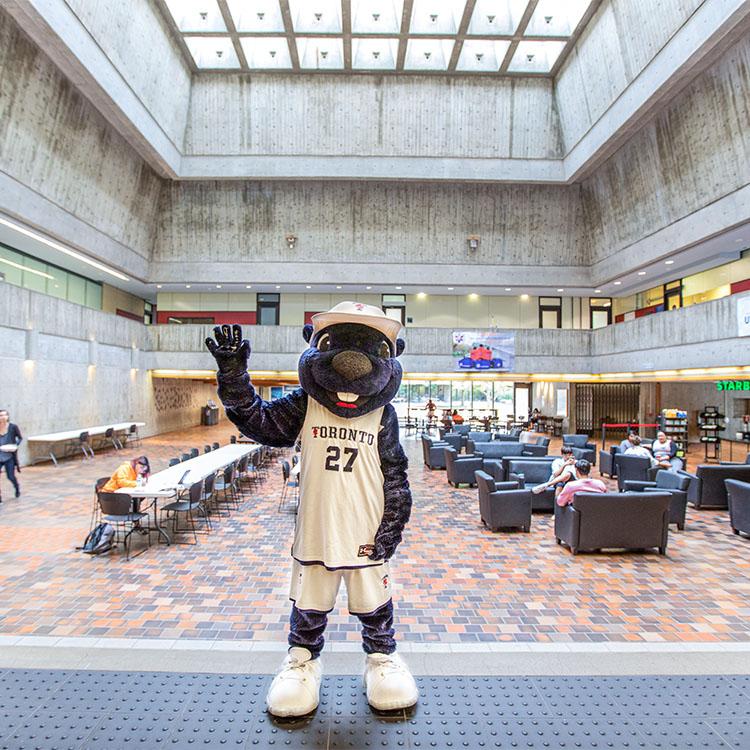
(733, 385)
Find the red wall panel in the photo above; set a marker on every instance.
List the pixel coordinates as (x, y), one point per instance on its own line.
(220, 316)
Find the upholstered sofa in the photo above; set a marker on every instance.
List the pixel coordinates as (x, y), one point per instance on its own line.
(708, 489)
(503, 505)
(496, 449)
(676, 484)
(530, 472)
(633, 521)
(738, 495)
(581, 446)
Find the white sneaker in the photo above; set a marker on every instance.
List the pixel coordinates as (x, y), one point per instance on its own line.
(295, 691)
(539, 489)
(389, 683)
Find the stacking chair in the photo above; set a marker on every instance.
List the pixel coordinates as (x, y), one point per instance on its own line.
(226, 484)
(110, 436)
(194, 453)
(207, 500)
(174, 461)
(289, 484)
(186, 505)
(84, 443)
(242, 473)
(185, 457)
(233, 439)
(215, 446)
(206, 448)
(133, 435)
(117, 509)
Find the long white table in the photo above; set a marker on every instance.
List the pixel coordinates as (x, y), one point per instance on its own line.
(168, 482)
(68, 435)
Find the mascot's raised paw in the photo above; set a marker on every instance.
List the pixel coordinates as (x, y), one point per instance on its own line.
(389, 683)
(230, 350)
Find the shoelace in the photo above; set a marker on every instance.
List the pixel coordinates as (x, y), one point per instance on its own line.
(390, 666)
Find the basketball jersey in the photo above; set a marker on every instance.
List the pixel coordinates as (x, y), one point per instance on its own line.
(341, 489)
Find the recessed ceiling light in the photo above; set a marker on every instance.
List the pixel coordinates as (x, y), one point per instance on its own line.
(507, 288)
(218, 286)
(308, 286)
(369, 287)
(248, 286)
(338, 287)
(187, 286)
(560, 290)
(668, 262)
(450, 288)
(473, 295)
(399, 287)
(641, 273)
(524, 297)
(617, 283)
(421, 295)
(158, 286)
(277, 286)
(597, 291)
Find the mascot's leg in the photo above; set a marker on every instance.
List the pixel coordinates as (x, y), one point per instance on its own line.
(295, 689)
(388, 681)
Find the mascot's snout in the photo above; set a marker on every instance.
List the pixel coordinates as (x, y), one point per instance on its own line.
(351, 365)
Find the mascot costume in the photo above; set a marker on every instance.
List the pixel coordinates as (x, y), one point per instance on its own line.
(354, 494)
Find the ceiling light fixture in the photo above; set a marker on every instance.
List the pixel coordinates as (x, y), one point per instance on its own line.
(318, 16)
(427, 55)
(376, 54)
(617, 283)
(248, 286)
(524, 297)
(507, 288)
(479, 56)
(218, 286)
(324, 53)
(530, 57)
(203, 15)
(450, 288)
(560, 290)
(597, 291)
(61, 248)
(668, 262)
(490, 19)
(219, 53)
(369, 287)
(291, 240)
(277, 286)
(272, 53)
(399, 287)
(338, 287)
(548, 19)
(375, 16)
(158, 286)
(641, 273)
(433, 17)
(308, 286)
(187, 286)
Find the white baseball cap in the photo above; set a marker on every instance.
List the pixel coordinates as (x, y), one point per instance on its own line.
(358, 312)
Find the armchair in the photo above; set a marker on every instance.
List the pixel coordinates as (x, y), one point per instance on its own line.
(502, 504)
(708, 490)
(607, 461)
(433, 452)
(667, 481)
(529, 473)
(454, 440)
(594, 521)
(632, 468)
(581, 446)
(738, 495)
(460, 469)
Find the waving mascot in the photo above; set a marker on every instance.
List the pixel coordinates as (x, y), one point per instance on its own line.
(354, 494)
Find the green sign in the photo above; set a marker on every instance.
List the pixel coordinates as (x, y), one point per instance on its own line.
(733, 385)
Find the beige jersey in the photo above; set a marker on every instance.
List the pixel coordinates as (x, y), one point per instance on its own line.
(341, 489)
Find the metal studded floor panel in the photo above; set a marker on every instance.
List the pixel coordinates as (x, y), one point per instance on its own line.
(64, 709)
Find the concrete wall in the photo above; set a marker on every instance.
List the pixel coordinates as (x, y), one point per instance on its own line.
(245, 224)
(78, 368)
(128, 31)
(598, 69)
(372, 116)
(690, 156)
(114, 299)
(63, 168)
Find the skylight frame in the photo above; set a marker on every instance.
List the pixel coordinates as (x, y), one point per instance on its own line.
(343, 21)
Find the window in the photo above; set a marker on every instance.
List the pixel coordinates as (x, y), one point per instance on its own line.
(394, 306)
(673, 295)
(600, 312)
(187, 320)
(268, 310)
(550, 312)
(148, 313)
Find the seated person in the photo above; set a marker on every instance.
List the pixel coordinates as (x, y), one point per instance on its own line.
(582, 483)
(664, 451)
(457, 418)
(446, 420)
(636, 449)
(562, 471)
(127, 474)
(628, 442)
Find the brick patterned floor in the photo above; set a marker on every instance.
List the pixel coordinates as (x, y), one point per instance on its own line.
(454, 580)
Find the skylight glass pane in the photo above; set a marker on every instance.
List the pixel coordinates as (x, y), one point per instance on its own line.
(316, 16)
(267, 52)
(535, 57)
(374, 54)
(496, 16)
(436, 16)
(258, 16)
(482, 55)
(376, 16)
(556, 18)
(321, 53)
(428, 54)
(196, 15)
(212, 52)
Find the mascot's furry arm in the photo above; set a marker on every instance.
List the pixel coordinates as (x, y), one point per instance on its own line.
(393, 463)
(275, 423)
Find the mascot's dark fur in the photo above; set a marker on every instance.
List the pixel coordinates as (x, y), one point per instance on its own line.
(345, 357)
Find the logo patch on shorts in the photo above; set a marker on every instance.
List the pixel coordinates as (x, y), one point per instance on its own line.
(385, 582)
(365, 550)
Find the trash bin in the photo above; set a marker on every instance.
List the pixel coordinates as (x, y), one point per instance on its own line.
(210, 415)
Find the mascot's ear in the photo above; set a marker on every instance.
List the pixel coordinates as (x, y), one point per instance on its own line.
(307, 332)
(400, 346)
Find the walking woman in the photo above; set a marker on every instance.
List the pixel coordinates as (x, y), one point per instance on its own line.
(10, 439)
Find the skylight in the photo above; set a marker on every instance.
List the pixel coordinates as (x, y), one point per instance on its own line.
(463, 37)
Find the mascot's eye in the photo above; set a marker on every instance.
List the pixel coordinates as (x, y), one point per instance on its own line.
(384, 351)
(324, 343)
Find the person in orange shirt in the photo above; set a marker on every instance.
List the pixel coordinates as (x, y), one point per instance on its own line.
(127, 474)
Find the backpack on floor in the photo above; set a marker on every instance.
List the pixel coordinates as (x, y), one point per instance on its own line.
(99, 539)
